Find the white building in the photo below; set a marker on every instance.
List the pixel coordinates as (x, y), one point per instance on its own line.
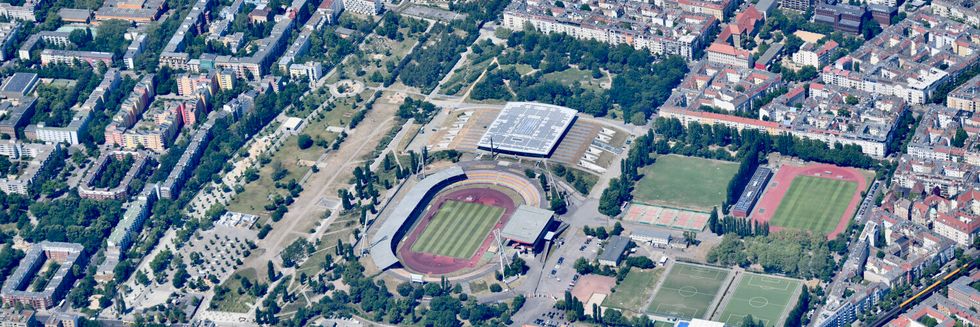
(811, 54)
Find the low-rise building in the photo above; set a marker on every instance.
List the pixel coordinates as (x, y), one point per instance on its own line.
(654, 237)
(19, 85)
(51, 56)
(72, 15)
(136, 11)
(613, 251)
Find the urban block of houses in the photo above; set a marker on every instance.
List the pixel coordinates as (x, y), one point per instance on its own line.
(837, 115)
(962, 10)
(121, 191)
(725, 88)
(72, 132)
(910, 60)
(18, 289)
(662, 28)
(136, 11)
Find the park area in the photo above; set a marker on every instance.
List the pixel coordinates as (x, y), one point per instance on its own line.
(766, 298)
(819, 198)
(685, 182)
(688, 291)
(458, 229)
(635, 290)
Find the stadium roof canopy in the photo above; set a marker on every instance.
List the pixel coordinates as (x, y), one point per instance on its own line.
(527, 128)
(383, 241)
(527, 224)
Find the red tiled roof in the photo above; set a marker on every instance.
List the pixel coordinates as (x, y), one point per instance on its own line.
(969, 226)
(728, 50)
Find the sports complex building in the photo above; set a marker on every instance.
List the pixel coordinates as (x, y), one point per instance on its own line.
(445, 223)
(528, 129)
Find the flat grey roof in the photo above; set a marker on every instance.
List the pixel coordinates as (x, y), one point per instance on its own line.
(765, 5)
(70, 14)
(382, 249)
(528, 128)
(614, 248)
(20, 83)
(527, 224)
(752, 190)
(650, 233)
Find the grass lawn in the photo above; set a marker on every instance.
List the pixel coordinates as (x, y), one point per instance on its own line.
(234, 301)
(634, 290)
(571, 75)
(813, 203)
(688, 291)
(764, 297)
(685, 182)
(457, 229)
(478, 286)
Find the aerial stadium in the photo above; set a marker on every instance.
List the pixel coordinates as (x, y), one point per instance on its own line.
(454, 220)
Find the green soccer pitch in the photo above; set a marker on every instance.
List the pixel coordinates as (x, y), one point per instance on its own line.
(688, 291)
(815, 204)
(685, 182)
(766, 298)
(458, 229)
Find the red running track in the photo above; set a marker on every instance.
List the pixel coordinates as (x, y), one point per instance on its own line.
(427, 263)
(779, 185)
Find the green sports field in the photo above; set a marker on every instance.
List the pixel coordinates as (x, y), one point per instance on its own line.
(766, 298)
(633, 292)
(685, 182)
(457, 229)
(813, 203)
(688, 291)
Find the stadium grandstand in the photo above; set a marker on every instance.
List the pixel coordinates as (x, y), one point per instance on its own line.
(750, 195)
(528, 225)
(527, 129)
(394, 227)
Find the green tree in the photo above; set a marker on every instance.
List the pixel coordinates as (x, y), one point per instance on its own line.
(959, 139)
(304, 141)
